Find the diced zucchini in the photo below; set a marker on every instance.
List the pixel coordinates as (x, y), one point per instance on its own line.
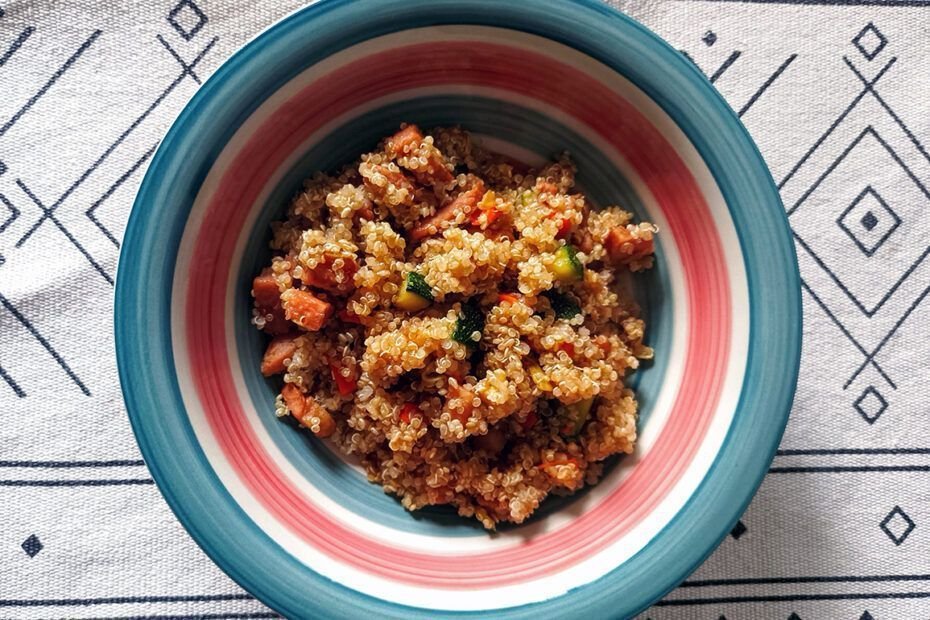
(415, 294)
(566, 266)
(563, 305)
(576, 415)
(471, 320)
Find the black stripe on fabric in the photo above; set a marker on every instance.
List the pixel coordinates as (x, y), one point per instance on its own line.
(12, 383)
(76, 483)
(850, 451)
(848, 469)
(18, 43)
(68, 464)
(48, 347)
(122, 600)
(51, 81)
(846, 332)
(263, 614)
(726, 65)
(706, 583)
(765, 86)
(836, 123)
(792, 598)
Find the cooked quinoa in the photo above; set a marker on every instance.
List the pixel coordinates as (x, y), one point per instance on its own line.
(456, 322)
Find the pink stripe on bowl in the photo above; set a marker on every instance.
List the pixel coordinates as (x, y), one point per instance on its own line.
(605, 113)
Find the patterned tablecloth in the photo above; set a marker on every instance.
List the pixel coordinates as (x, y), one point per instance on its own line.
(834, 92)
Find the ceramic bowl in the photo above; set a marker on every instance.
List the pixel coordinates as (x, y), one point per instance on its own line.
(296, 524)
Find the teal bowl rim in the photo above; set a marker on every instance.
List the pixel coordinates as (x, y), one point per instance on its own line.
(156, 224)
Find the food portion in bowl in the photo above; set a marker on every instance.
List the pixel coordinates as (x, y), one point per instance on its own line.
(458, 322)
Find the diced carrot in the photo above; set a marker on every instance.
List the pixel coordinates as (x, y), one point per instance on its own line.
(294, 400)
(347, 316)
(265, 289)
(465, 202)
(401, 142)
(305, 309)
(268, 303)
(305, 408)
(623, 247)
(509, 297)
(325, 276)
(327, 424)
(409, 139)
(407, 412)
(279, 350)
(395, 178)
(345, 385)
(434, 173)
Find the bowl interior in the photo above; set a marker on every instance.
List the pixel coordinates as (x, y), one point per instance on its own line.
(531, 98)
(519, 132)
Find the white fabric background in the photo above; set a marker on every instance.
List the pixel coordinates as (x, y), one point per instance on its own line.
(86, 91)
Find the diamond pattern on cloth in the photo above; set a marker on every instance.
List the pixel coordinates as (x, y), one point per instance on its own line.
(833, 92)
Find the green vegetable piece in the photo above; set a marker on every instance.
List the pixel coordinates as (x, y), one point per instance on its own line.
(471, 320)
(577, 414)
(415, 294)
(566, 266)
(563, 305)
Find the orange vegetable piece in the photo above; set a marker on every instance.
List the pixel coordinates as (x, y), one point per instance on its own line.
(347, 316)
(265, 289)
(305, 309)
(345, 385)
(509, 297)
(565, 224)
(465, 202)
(268, 302)
(403, 141)
(305, 408)
(407, 412)
(623, 247)
(395, 178)
(279, 350)
(487, 206)
(409, 139)
(324, 276)
(294, 400)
